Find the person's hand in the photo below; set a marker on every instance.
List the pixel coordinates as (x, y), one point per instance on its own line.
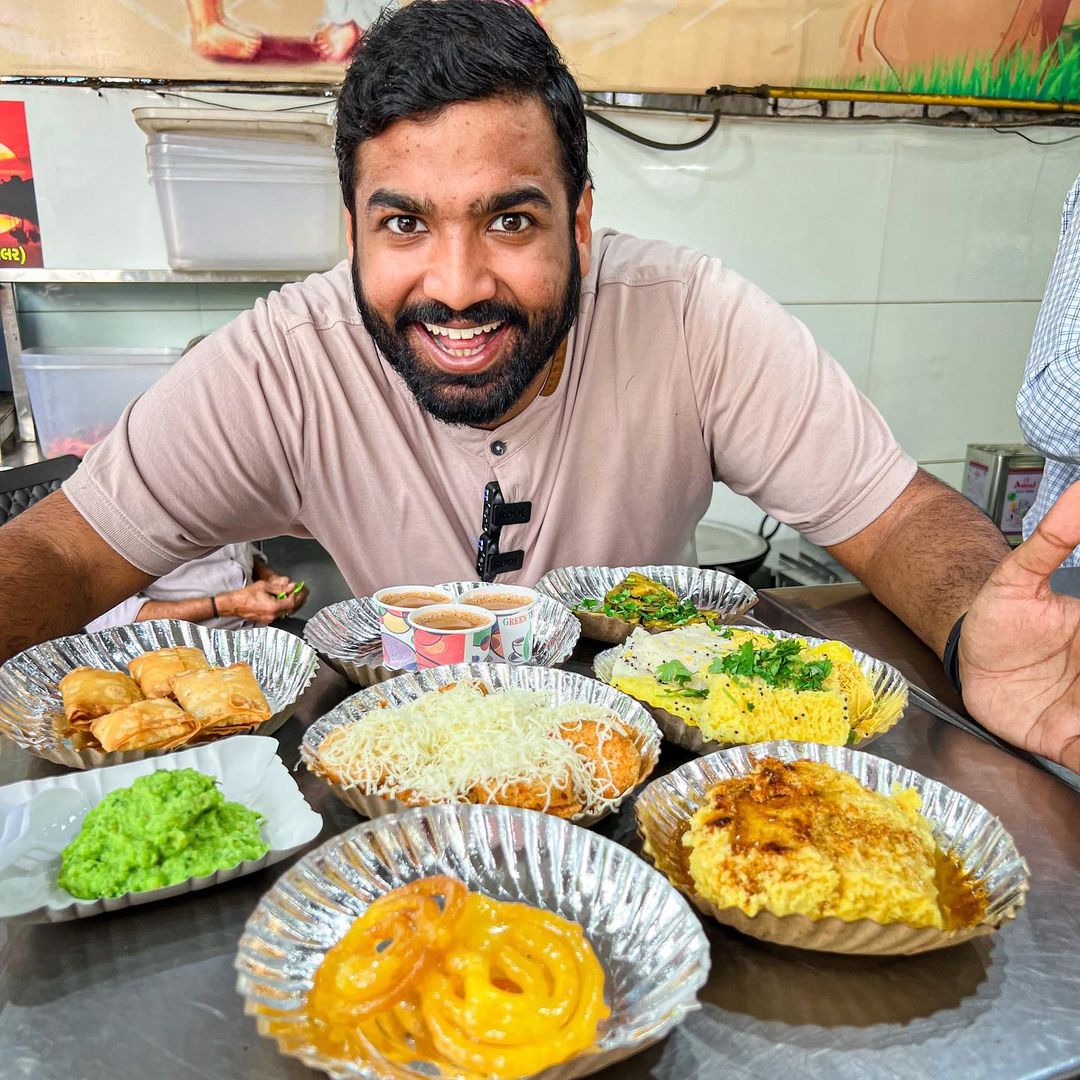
(256, 603)
(298, 598)
(1020, 644)
(279, 583)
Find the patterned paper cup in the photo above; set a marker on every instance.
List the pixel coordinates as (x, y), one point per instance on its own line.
(395, 604)
(512, 606)
(440, 638)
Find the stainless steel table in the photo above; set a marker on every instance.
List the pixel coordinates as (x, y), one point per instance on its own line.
(149, 992)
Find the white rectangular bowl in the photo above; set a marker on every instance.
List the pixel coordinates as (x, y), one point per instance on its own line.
(250, 772)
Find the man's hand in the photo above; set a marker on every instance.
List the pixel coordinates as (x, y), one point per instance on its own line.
(1020, 644)
(258, 603)
(281, 583)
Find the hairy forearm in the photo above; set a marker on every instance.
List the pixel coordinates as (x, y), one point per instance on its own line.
(58, 575)
(197, 609)
(927, 557)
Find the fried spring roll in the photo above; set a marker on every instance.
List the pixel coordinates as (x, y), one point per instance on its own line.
(88, 693)
(155, 671)
(227, 697)
(156, 724)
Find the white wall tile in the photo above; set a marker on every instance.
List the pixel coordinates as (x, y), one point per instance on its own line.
(844, 330)
(972, 215)
(798, 208)
(949, 472)
(945, 375)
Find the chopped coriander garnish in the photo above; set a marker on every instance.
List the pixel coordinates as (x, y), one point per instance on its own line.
(589, 604)
(777, 665)
(852, 737)
(673, 671)
(688, 691)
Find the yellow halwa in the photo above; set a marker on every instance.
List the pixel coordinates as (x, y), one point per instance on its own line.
(803, 838)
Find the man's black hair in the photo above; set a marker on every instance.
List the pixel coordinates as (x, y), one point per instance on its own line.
(417, 61)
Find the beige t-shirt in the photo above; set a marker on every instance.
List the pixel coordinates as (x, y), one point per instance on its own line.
(678, 372)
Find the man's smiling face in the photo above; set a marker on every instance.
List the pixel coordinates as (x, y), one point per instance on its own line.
(467, 257)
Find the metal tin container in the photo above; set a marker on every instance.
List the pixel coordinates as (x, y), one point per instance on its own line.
(1002, 479)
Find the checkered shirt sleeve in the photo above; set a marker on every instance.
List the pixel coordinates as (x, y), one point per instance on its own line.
(1048, 405)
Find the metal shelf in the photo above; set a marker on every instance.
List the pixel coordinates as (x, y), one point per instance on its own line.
(19, 276)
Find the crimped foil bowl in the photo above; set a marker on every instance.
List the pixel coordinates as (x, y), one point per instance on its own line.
(565, 686)
(889, 687)
(346, 635)
(652, 948)
(32, 713)
(709, 590)
(963, 829)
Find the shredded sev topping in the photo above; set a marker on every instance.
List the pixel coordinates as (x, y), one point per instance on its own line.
(464, 742)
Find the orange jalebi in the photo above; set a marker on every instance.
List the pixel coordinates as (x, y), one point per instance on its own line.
(386, 949)
(484, 987)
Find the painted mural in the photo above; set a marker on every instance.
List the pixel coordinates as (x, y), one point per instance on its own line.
(1004, 50)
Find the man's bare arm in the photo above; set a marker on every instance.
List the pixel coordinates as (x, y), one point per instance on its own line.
(58, 574)
(926, 557)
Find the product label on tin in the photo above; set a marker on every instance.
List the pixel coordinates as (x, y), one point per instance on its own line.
(1021, 486)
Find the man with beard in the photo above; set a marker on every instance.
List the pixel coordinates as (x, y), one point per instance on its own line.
(480, 336)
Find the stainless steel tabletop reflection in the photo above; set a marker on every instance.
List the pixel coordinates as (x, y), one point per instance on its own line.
(149, 992)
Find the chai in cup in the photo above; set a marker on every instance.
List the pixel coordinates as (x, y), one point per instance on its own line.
(394, 604)
(451, 634)
(513, 607)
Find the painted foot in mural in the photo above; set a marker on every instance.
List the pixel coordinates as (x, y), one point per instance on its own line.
(219, 41)
(337, 41)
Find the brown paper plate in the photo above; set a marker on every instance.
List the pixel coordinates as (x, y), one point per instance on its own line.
(964, 830)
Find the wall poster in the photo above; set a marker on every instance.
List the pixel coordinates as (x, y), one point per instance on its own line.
(999, 50)
(20, 233)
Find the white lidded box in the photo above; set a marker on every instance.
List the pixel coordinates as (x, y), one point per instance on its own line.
(232, 203)
(78, 394)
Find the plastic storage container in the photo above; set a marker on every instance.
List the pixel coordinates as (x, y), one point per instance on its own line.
(246, 204)
(77, 395)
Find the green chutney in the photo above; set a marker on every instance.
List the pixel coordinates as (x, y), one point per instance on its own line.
(162, 829)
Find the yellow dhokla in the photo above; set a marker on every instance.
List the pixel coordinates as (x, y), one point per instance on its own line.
(747, 711)
(803, 838)
(678, 672)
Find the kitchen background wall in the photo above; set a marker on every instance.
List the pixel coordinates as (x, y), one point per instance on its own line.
(916, 255)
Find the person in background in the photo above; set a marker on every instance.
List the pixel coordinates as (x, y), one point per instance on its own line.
(1048, 404)
(229, 588)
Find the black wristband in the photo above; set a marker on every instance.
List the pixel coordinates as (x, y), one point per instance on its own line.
(213, 607)
(951, 659)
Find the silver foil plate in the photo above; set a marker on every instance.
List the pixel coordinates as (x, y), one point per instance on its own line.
(708, 590)
(889, 687)
(650, 944)
(564, 686)
(347, 635)
(964, 830)
(32, 712)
